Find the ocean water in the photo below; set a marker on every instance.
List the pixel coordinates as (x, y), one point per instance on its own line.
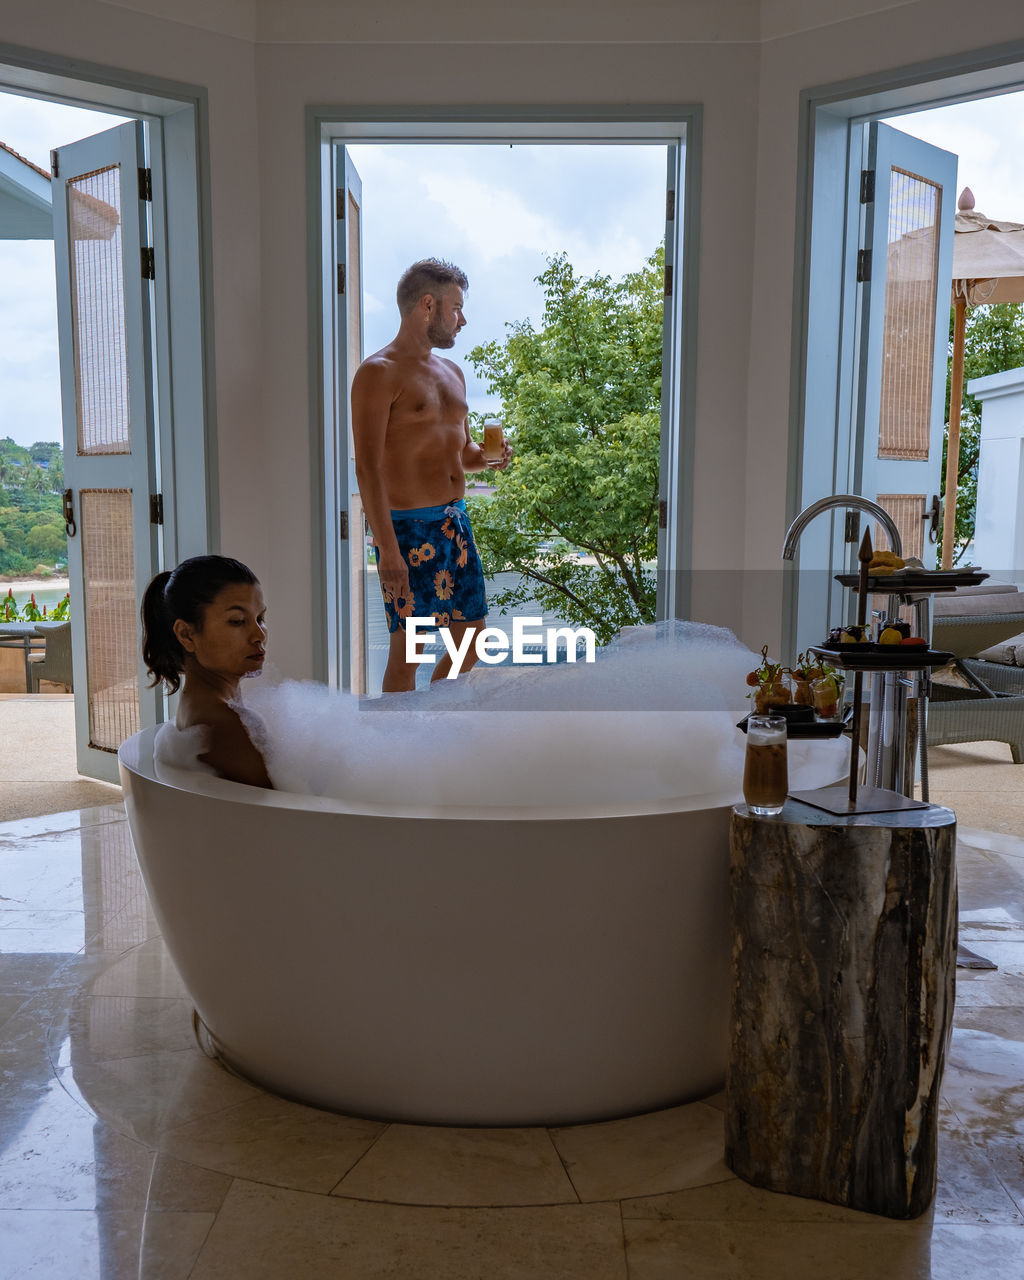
(48, 596)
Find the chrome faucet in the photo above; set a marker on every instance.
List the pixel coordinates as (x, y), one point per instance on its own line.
(844, 502)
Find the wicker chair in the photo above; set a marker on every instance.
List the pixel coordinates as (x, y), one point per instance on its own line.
(984, 627)
(55, 663)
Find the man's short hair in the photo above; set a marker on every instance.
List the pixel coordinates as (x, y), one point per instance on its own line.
(430, 275)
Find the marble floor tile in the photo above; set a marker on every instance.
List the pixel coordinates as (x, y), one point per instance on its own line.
(29, 930)
(144, 970)
(264, 1233)
(145, 1097)
(1006, 1156)
(982, 1081)
(976, 1253)
(10, 1003)
(25, 974)
(270, 1140)
(989, 988)
(1002, 1020)
(183, 1187)
(970, 1186)
(421, 1164)
(52, 824)
(1010, 846)
(1008, 954)
(105, 1027)
(873, 1249)
(28, 1031)
(737, 1202)
(661, 1151)
(63, 1158)
(47, 1245)
(43, 875)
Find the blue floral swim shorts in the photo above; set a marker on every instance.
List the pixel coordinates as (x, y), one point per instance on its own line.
(446, 579)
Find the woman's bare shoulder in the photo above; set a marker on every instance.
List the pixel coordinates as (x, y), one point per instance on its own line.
(230, 750)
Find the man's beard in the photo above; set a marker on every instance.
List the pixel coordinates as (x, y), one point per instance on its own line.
(438, 336)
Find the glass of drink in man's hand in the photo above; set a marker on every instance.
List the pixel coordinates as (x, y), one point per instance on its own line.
(765, 771)
(494, 443)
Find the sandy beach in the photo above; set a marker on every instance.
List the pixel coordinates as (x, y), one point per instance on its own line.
(25, 586)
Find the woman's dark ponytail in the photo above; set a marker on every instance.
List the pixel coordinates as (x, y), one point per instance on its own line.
(183, 593)
(161, 651)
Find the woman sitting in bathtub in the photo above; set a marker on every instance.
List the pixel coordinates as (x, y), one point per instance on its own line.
(204, 629)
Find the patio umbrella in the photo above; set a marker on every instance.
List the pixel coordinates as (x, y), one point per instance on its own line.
(988, 267)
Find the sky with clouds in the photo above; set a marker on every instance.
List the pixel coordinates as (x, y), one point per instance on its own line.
(498, 211)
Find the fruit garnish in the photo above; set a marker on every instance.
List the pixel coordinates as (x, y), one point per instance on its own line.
(918, 641)
(890, 635)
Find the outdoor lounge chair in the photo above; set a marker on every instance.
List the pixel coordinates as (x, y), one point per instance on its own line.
(55, 663)
(982, 700)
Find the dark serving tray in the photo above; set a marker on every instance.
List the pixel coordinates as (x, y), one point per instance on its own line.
(918, 581)
(877, 657)
(811, 728)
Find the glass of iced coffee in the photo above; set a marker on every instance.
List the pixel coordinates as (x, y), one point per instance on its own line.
(494, 443)
(765, 771)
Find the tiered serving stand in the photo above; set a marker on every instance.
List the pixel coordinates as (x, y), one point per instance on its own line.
(897, 675)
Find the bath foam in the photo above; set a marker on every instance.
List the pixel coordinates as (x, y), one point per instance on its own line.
(652, 720)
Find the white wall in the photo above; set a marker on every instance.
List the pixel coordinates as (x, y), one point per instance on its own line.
(999, 527)
(657, 52)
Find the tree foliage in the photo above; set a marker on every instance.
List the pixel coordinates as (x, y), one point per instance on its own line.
(994, 343)
(576, 513)
(32, 537)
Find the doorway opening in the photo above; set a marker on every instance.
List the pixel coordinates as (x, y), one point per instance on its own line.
(541, 225)
(880, 188)
(117, 463)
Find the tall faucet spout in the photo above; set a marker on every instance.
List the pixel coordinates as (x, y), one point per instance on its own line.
(842, 502)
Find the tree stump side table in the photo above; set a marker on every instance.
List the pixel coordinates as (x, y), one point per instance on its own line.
(843, 967)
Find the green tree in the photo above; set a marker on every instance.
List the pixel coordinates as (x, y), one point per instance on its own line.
(576, 513)
(46, 543)
(994, 343)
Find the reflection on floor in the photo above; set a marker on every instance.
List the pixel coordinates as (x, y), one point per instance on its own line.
(124, 1152)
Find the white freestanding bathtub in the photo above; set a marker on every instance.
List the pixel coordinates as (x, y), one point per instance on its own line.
(473, 966)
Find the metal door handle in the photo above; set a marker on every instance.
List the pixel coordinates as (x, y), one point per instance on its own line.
(934, 514)
(68, 512)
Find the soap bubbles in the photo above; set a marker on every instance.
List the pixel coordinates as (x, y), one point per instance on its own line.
(651, 720)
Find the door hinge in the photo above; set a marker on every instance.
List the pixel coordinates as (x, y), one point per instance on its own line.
(341, 277)
(851, 533)
(863, 265)
(668, 281)
(867, 186)
(156, 508)
(662, 514)
(343, 526)
(339, 207)
(54, 165)
(670, 204)
(148, 263)
(145, 184)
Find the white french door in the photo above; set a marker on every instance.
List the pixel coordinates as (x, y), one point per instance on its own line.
(344, 537)
(879, 285)
(105, 265)
(906, 265)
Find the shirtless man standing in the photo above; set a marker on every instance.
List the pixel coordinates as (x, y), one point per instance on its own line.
(410, 428)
